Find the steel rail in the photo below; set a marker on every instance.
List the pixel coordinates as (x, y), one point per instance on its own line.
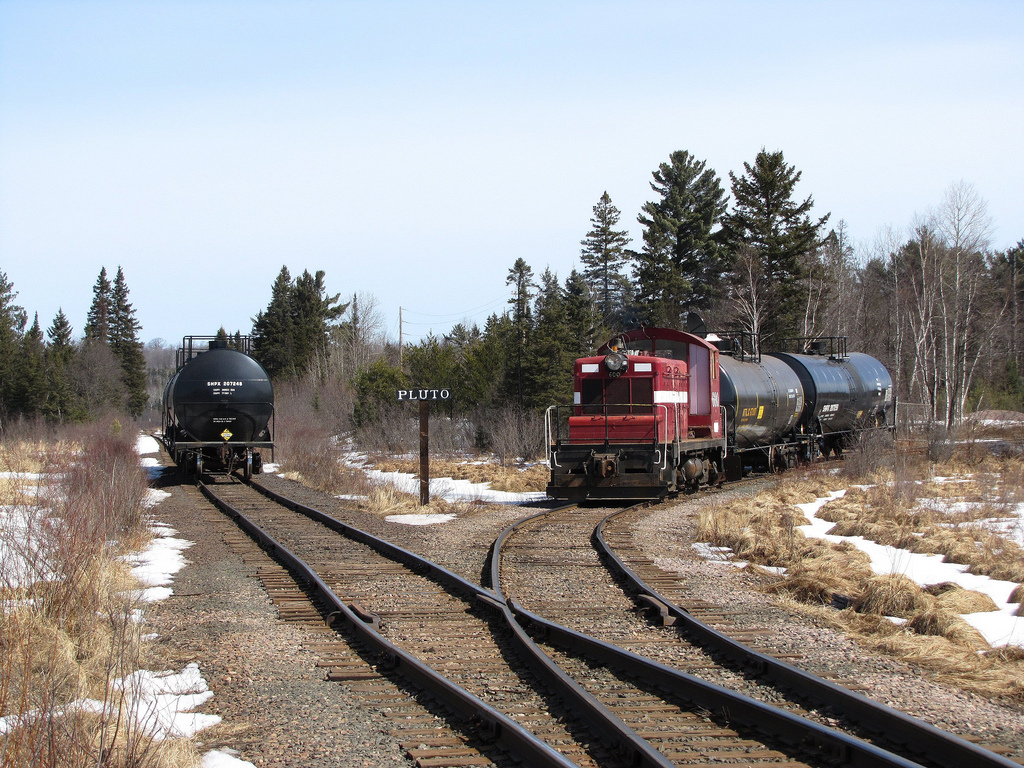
(798, 731)
(610, 729)
(920, 738)
(502, 728)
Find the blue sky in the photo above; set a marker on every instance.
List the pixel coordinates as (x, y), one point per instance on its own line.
(414, 151)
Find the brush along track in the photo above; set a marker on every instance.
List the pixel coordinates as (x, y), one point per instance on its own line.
(550, 566)
(433, 632)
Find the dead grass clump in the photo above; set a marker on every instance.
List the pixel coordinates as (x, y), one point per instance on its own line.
(885, 532)
(942, 622)
(849, 507)
(384, 498)
(872, 624)
(834, 571)
(761, 530)
(959, 600)
(1017, 596)
(891, 594)
(1007, 653)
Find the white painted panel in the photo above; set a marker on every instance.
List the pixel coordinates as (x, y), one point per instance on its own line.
(575, 398)
(665, 396)
(642, 367)
(591, 367)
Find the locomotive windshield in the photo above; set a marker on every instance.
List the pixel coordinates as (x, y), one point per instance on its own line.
(621, 396)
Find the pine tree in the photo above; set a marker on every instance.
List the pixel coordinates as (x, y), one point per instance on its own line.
(604, 255)
(273, 342)
(125, 344)
(681, 264)
(97, 325)
(60, 403)
(776, 235)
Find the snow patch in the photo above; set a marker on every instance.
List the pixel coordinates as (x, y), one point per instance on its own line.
(425, 519)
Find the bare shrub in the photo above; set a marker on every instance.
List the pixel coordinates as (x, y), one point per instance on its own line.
(68, 626)
(1017, 596)
(941, 444)
(393, 432)
(871, 453)
(512, 433)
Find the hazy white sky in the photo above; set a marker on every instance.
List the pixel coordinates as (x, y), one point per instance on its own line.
(414, 150)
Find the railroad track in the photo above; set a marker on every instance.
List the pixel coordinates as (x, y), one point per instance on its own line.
(553, 565)
(444, 634)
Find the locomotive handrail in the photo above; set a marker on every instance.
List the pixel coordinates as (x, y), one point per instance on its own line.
(664, 462)
(551, 452)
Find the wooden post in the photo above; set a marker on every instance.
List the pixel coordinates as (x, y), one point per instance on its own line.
(424, 452)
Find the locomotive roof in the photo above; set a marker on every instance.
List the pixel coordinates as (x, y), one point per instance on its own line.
(666, 342)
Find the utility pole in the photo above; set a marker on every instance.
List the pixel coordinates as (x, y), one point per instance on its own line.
(400, 360)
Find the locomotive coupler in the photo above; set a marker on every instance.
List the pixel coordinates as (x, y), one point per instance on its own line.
(603, 465)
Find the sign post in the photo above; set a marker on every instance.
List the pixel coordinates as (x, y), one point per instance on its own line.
(424, 397)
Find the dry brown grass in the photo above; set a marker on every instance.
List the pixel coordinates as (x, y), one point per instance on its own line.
(960, 600)
(833, 571)
(943, 622)
(515, 479)
(892, 594)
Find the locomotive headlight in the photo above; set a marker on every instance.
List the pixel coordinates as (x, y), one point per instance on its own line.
(616, 363)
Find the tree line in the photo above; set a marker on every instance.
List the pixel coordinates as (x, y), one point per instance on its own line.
(63, 379)
(933, 302)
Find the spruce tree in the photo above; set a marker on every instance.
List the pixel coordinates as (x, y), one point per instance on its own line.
(582, 317)
(604, 255)
(313, 314)
(520, 277)
(12, 322)
(273, 334)
(127, 347)
(97, 325)
(31, 386)
(767, 225)
(548, 373)
(60, 403)
(681, 264)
